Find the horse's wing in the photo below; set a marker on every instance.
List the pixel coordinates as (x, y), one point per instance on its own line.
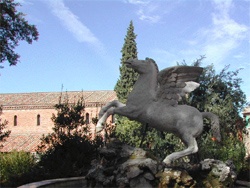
(175, 82)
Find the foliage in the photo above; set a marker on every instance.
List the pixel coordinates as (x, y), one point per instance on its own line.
(14, 28)
(221, 94)
(69, 122)
(215, 87)
(127, 130)
(231, 148)
(71, 158)
(161, 144)
(68, 150)
(245, 171)
(3, 134)
(14, 165)
(128, 76)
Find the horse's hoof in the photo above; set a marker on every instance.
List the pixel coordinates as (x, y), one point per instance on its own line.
(98, 128)
(166, 162)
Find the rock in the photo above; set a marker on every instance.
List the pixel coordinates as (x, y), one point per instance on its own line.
(175, 178)
(138, 153)
(220, 175)
(142, 163)
(107, 153)
(108, 180)
(149, 176)
(122, 165)
(140, 182)
(122, 182)
(126, 151)
(133, 171)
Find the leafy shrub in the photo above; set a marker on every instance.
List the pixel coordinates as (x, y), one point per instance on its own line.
(159, 143)
(14, 165)
(70, 158)
(69, 149)
(231, 148)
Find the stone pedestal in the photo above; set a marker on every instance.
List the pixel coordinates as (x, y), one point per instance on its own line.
(121, 165)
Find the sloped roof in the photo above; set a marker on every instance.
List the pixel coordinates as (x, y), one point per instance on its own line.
(52, 98)
(21, 142)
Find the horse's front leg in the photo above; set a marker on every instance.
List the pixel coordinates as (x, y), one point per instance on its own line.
(105, 112)
(109, 105)
(122, 110)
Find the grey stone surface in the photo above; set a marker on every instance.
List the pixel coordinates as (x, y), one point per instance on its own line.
(219, 169)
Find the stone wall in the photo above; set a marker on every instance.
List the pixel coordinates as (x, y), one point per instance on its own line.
(26, 120)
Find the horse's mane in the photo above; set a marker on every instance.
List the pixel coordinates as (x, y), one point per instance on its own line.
(152, 61)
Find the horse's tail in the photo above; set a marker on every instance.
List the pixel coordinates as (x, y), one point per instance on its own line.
(215, 124)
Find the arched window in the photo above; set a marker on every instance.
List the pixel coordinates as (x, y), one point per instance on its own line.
(87, 118)
(38, 121)
(15, 120)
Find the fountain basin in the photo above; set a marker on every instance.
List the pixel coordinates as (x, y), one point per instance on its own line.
(62, 182)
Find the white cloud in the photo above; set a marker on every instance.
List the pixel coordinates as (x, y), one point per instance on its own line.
(72, 23)
(148, 10)
(153, 11)
(147, 17)
(224, 35)
(22, 1)
(138, 2)
(239, 56)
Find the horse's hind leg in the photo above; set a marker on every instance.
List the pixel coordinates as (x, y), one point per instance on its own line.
(192, 147)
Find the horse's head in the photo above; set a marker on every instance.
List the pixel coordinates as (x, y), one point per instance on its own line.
(142, 66)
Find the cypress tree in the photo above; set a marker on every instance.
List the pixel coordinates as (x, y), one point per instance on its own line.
(126, 130)
(128, 76)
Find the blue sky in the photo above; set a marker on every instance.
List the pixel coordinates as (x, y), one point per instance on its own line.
(80, 41)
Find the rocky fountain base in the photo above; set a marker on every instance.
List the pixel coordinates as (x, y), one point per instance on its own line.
(121, 165)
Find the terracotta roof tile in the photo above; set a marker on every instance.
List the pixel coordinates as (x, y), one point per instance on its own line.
(21, 142)
(51, 98)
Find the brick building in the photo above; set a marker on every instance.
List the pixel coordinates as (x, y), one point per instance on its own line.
(29, 114)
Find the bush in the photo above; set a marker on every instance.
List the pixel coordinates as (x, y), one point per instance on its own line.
(14, 165)
(158, 143)
(231, 148)
(71, 158)
(69, 149)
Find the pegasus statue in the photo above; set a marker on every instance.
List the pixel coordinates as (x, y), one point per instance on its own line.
(154, 101)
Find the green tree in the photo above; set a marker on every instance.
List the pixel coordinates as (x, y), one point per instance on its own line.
(69, 149)
(126, 129)
(13, 28)
(3, 133)
(128, 76)
(221, 94)
(13, 168)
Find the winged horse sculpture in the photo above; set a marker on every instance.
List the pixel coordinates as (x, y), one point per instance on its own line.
(154, 100)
